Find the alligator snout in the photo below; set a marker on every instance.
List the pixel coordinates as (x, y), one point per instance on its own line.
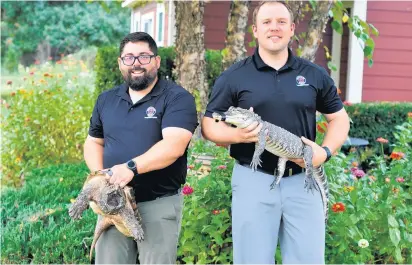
(219, 117)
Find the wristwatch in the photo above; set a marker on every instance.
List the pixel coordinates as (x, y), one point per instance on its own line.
(328, 153)
(132, 166)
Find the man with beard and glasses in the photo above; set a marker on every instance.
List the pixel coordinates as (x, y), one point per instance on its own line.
(139, 132)
(287, 91)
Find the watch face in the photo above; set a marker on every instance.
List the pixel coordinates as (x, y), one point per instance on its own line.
(131, 164)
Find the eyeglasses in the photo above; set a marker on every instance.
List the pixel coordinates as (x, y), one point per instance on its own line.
(142, 59)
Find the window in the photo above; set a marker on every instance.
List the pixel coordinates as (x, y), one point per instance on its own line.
(160, 28)
(148, 26)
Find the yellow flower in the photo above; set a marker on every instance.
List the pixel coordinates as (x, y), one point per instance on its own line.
(18, 159)
(345, 18)
(61, 179)
(72, 200)
(348, 188)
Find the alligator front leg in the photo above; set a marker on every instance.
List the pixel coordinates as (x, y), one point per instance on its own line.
(259, 148)
(310, 183)
(279, 172)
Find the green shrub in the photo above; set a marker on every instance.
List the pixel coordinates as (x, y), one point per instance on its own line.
(45, 120)
(167, 62)
(36, 227)
(374, 120)
(213, 66)
(107, 69)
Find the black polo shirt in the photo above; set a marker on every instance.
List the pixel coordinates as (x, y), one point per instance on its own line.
(130, 130)
(288, 97)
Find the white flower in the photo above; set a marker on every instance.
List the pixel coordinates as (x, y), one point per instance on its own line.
(363, 243)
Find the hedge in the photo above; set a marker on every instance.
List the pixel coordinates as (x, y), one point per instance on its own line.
(377, 119)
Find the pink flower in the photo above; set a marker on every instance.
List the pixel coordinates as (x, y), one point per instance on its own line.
(187, 190)
(400, 180)
(359, 173)
(221, 167)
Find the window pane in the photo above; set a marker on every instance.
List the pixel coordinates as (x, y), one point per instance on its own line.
(160, 31)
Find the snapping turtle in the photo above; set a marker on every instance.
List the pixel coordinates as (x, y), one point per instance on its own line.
(114, 205)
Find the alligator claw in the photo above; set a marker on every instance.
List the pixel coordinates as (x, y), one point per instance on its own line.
(310, 185)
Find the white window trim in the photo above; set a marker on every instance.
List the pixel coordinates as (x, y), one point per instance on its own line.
(171, 29)
(160, 9)
(146, 17)
(137, 18)
(354, 81)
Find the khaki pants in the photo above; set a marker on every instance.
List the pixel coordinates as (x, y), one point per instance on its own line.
(161, 222)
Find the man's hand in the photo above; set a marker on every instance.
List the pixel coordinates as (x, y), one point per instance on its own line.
(120, 175)
(319, 154)
(250, 133)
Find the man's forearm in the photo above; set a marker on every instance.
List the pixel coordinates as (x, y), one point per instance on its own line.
(337, 133)
(218, 132)
(162, 154)
(93, 155)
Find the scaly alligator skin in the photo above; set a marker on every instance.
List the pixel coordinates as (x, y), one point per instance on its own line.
(283, 144)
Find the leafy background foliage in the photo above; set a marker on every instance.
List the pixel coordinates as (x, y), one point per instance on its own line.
(377, 209)
(67, 26)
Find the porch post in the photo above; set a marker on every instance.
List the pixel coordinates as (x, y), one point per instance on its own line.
(355, 58)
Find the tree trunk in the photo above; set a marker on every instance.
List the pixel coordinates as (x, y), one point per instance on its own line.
(296, 7)
(235, 49)
(190, 62)
(316, 29)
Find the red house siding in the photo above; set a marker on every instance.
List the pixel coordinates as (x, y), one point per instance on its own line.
(390, 77)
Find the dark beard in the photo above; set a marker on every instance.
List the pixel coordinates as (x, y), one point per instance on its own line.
(141, 82)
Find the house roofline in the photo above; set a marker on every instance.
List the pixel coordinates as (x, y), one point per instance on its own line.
(129, 3)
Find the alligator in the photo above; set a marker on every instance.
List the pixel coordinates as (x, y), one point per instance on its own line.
(281, 143)
(113, 205)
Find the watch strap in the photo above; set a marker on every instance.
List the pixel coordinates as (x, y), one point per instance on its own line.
(328, 153)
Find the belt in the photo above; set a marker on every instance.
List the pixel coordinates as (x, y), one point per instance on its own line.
(289, 171)
(169, 194)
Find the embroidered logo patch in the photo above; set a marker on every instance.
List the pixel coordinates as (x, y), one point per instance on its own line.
(150, 113)
(301, 81)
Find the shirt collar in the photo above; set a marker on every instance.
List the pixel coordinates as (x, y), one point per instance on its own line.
(292, 62)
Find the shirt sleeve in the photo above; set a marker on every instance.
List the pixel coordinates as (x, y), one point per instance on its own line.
(221, 97)
(181, 112)
(96, 126)
(328, 100)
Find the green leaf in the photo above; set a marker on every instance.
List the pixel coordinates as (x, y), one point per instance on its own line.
(332, 66)
(313, 4)
(337, 26)
(398, 255)
(368, 51)
(374, 30)
(364, 36)
(370, 42)
(395, 236)
(392, 221)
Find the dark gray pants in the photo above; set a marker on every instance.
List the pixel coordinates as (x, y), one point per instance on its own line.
(287, 213)
(161, 221)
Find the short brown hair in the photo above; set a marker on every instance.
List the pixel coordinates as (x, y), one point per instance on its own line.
(255, 12)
